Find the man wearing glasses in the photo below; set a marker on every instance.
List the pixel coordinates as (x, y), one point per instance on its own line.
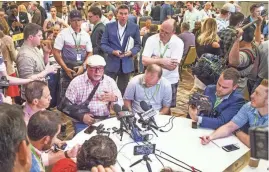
(105, 95)
(72, 47)
(165, 49)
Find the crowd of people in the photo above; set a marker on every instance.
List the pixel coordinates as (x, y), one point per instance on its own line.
(122, 53)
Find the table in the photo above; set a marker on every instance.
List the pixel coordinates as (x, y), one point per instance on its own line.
(182, 142)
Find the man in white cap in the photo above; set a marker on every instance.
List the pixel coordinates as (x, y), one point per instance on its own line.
(225, 13)
(106, 93)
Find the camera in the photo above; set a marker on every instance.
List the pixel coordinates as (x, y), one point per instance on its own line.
(197, 99)
(144, 149)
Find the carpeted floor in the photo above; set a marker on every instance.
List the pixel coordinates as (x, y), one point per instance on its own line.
(180, 110)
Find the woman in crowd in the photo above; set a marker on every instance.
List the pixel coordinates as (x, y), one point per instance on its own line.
(208, 41)
(49, 23)
(22, 8)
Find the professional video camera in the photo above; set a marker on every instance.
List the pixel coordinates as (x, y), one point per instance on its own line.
(201, 101)
(4, 82)
(259, 142)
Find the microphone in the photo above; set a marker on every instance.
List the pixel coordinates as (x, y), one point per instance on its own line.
(120, 116)
(149, 113)
(135, 134)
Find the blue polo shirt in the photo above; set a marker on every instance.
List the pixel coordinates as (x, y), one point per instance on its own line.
(251, 115)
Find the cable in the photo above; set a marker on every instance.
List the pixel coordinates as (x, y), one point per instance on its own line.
(167, 123)
(170, 128)
(173, 162)
(159, 160)
(122, 169)
(178, 160)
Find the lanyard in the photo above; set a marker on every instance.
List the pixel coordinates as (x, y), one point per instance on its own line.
(164, 51)
(218, 102)
(77, 43)
(38, 158)
(256, 120)
(155, 92)
(120, 37)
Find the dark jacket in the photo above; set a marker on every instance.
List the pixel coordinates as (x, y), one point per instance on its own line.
(23, 19)
(43, 14)
(225, 111)
(96, 37)
(110, 42)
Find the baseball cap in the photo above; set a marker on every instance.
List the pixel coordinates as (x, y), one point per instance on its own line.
(229, 7)
(75, 14)
(96, 60)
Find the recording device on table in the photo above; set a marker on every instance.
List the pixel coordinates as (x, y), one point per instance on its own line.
(99, 129)
(230, 148)
(201, 101)
(259, 142)
(144, 149)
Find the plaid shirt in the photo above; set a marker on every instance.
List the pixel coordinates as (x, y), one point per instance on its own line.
(81, 87)
(227, 35)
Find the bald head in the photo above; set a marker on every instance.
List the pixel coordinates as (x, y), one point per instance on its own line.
(167, 30)
(153, 68)
(170, 23)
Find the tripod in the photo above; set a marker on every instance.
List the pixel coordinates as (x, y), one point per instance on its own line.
(121, 130)
(146, 159)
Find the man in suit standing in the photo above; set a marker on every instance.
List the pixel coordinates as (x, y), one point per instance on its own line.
(17, 20)
(94, 16)
(37, 19)
(121, 41)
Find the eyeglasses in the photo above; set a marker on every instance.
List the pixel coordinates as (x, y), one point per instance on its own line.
(96, 69)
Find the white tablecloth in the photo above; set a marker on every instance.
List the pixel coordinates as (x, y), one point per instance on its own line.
(182, 142)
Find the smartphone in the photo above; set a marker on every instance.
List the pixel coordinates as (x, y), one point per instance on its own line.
(144, 149)
(90, 129)
(231, 147)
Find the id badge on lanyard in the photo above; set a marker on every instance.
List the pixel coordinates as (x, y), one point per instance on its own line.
(79, 56)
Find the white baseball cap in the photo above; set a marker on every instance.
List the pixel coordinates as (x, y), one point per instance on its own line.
(96, 60)
(229, 7)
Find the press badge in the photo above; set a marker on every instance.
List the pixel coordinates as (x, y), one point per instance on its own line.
(79, 57)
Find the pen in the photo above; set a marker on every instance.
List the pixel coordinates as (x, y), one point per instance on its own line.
(210, 141)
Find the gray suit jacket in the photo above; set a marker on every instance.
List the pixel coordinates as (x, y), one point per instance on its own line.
(96, 37)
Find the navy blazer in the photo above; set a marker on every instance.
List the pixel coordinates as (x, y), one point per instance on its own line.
(226, 110)
(110, 42)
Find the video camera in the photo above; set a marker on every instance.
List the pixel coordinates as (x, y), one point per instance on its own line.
(201, 101)
(259, 142)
